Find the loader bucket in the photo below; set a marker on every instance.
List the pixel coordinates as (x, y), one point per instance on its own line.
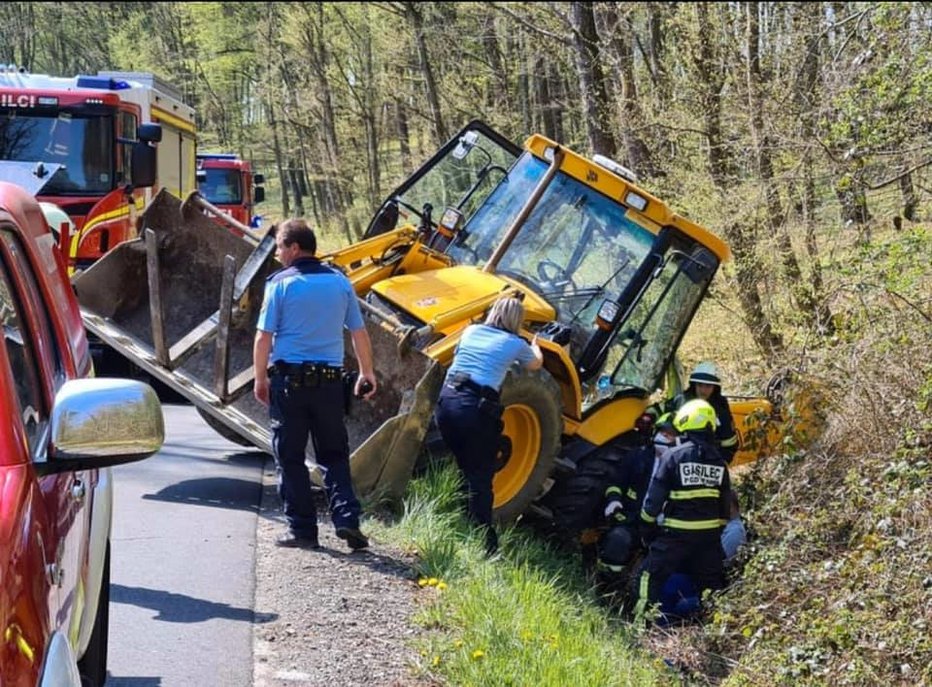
(182, 301)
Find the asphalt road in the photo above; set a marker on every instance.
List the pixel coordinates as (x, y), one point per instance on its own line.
(183, 561)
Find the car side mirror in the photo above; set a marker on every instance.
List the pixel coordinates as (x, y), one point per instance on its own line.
(258, 178)
(258, 194)
(101, 422)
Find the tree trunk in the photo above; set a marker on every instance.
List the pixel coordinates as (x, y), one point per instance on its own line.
(596, 106)
(910, 201)
(401, 125)
(741, 235)
(805, 303)
(807, 20)
(637, 154)
(416, 19)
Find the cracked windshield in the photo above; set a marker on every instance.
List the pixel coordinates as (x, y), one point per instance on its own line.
(576, 249)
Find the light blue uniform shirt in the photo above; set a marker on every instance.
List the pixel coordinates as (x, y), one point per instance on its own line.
(485, 354)
(306, 314)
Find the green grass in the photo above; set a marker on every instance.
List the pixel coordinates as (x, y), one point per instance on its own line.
(527, 616)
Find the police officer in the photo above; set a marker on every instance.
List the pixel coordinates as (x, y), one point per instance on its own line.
(689, 486)
(705, 383)
(300, 328)
(468, 412)
(623, 499)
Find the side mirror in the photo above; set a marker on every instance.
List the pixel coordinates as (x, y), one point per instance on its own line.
(258, 178)
(466, 143)
(258, 194)
(144, 165)
(200, 175)
(150, 133)
(385, 220)
(101, 422)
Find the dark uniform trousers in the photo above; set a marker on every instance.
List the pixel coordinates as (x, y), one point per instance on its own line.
(471, 427)
(696, 553)
(297, 411)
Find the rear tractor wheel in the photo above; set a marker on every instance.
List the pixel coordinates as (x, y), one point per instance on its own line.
(533, 423)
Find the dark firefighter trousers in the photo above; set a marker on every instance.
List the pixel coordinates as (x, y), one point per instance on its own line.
(297, 412)
(697, 553)
(471, 427)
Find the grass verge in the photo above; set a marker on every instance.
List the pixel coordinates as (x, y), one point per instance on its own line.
(527, 616)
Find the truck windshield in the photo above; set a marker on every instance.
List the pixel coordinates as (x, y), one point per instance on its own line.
(221, 186)
(576, 249)
(82, 144)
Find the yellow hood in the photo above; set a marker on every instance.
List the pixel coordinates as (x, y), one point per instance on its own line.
(435, 295)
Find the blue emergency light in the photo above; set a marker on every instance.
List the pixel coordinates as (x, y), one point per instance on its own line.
(102, 83)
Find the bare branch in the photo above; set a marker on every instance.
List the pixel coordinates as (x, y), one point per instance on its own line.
(564, 39)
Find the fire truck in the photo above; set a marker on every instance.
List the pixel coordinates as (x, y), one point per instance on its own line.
(86, 144)
(228, 182)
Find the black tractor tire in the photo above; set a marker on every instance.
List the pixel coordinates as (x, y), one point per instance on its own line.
(533, 418)
(577, 498)
(93, 664)
(222, 429)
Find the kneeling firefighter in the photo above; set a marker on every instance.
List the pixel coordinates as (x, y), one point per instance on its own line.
(623, 499)
(469, 414)
(690, 487)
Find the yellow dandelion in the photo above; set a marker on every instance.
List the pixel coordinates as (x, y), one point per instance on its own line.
(526, 635)
(477, 654)
(441, 585)
(458, 643)
(436, 661)
(423, 582)
(432, 582)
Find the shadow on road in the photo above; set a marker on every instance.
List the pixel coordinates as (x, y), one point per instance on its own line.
(217, 492)
(181, 608)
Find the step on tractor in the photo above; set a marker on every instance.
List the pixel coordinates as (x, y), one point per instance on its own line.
(609, 275)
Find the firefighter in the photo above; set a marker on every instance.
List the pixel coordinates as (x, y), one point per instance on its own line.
(469, 411)
(305, 308)
(689, 487)
(623, 499)
(705, 383)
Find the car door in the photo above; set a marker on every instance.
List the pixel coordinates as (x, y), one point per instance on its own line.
(38, 372)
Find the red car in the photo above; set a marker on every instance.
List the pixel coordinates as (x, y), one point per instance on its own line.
(63, 431)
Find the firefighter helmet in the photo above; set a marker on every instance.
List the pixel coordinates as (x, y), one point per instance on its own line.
(695, 416)
(665, 421)
(705, 373)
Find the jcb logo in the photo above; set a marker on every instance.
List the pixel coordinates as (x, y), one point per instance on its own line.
(10, 100)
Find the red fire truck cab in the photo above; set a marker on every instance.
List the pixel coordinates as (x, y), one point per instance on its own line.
(228, 182)
(73, 141)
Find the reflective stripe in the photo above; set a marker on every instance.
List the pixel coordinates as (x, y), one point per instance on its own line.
(731, 441)
(683, 495)
(647, 518)
(642, 596)
(613, 490)
(632, 494)
(677, 524)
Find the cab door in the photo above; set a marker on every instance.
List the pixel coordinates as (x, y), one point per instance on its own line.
(38, 371)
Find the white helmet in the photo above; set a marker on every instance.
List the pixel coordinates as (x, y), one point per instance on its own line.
(705, 373)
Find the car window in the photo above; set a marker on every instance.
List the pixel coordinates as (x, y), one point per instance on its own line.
(21, 354)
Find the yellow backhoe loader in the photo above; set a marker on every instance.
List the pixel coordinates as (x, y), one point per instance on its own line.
(610, 277)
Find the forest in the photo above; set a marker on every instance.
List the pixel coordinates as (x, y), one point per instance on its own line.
(800, 132)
